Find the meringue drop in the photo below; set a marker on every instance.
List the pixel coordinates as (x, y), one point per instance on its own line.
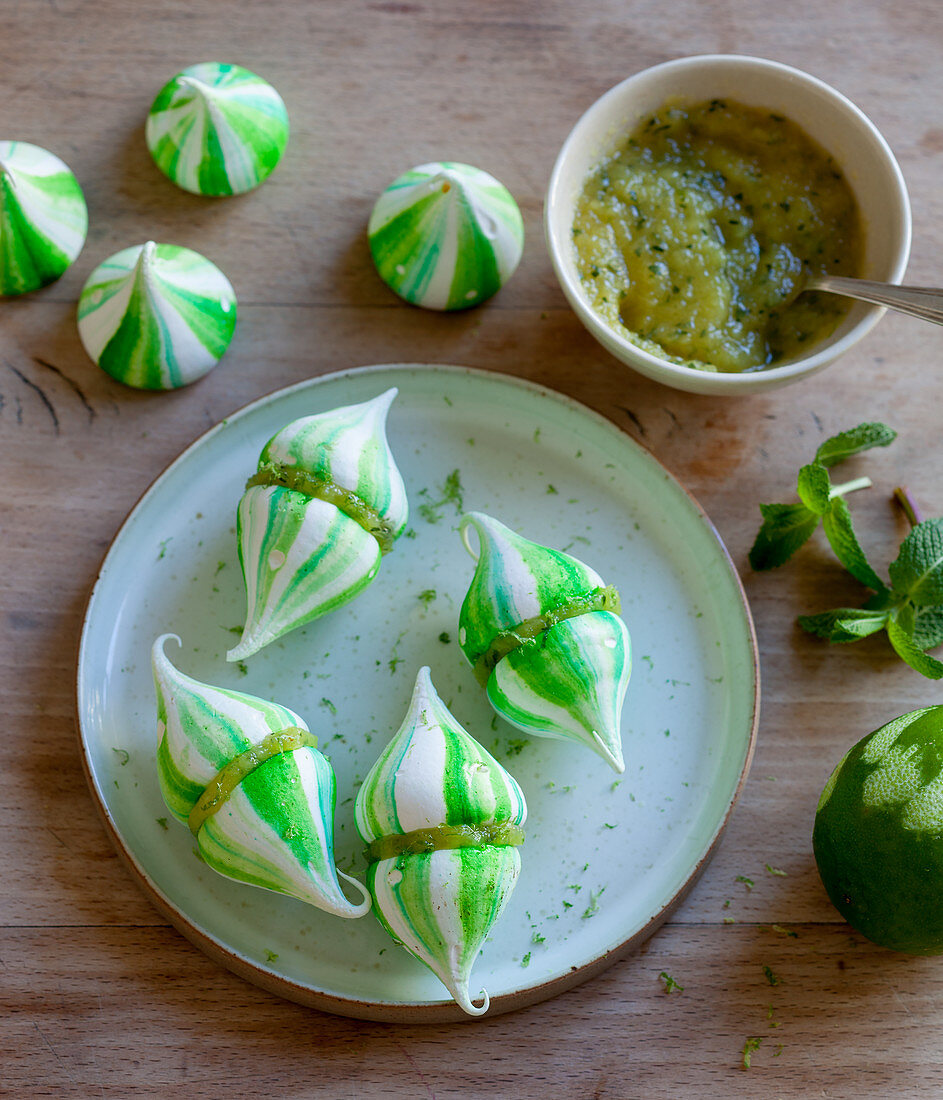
(542, 631)
(443, 822)
(326, 503)
(246, 777)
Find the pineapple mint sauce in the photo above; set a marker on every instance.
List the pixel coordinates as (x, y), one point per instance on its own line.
(693, 239)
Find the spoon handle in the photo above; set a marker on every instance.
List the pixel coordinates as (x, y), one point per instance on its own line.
(918, 301)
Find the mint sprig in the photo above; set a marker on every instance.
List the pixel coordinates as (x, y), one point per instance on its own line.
(786, 527)
(910, 608)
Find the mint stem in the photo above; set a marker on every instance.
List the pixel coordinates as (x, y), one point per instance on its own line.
(908, 506)
(850, 487)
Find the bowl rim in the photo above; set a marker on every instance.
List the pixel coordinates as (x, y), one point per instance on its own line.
(735, 381)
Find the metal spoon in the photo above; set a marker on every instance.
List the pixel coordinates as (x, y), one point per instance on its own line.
(918, 301)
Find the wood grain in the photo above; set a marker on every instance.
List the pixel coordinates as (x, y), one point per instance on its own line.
(98, 996)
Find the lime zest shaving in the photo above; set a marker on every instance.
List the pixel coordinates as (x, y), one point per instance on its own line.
(222, 785)
(445, 837)
(771, 976)
(345, 500)
(525, 633)
(750, 1047)
(670, 984)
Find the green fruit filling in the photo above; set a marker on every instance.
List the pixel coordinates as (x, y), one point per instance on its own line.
(525, 633)
(228, 778)
(443, 837)
(346, 501)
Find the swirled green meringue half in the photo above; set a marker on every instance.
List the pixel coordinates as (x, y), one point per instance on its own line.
(157, 316)
(567, 681)
(217, 129)
(442, 903)
(275, 827)
(302, 555)
(446, 235)
(43, 217)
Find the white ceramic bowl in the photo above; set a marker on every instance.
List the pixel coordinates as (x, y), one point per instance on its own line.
(825, 115)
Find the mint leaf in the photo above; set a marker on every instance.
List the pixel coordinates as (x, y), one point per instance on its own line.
(853, 442)
(918, 571)
(906, 617)
(928, 627)
(841, 535)
(823, 624)
(814, 487)
(785, 528)
(907, 649)
(844, 624)
(862, 624)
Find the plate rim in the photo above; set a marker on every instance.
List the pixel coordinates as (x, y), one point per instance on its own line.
(421, 1012)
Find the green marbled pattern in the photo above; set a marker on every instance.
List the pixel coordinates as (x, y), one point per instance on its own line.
(446, 235)
(440, 905)
(43, 217)
(157, 316)
(570, 681)
(217, 129)
(276, 830)
(301, 557)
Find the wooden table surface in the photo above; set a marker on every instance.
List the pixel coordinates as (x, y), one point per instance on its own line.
(98, 995)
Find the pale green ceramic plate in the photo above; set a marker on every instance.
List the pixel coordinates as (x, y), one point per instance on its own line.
(605, 861)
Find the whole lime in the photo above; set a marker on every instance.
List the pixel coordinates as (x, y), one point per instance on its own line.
(878, 836)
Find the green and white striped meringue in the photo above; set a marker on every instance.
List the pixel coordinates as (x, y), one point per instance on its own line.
(566, 681)
(446, 235)
(43, 217)
(217, 129)
(276, 827)
(157, 316)
(301, 555)
(440, 903)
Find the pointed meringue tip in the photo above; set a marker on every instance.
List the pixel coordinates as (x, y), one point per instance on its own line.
(451, 176)
(240, 651)
(426, 709)
(157, 649)
(468, 520)
(378, 408)
(145, 259)
(386, 398)
(423, 690)
(248, 644)
(612, 754)
(199, 86)
(459, 991)
(355, 909)
(481, 523)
